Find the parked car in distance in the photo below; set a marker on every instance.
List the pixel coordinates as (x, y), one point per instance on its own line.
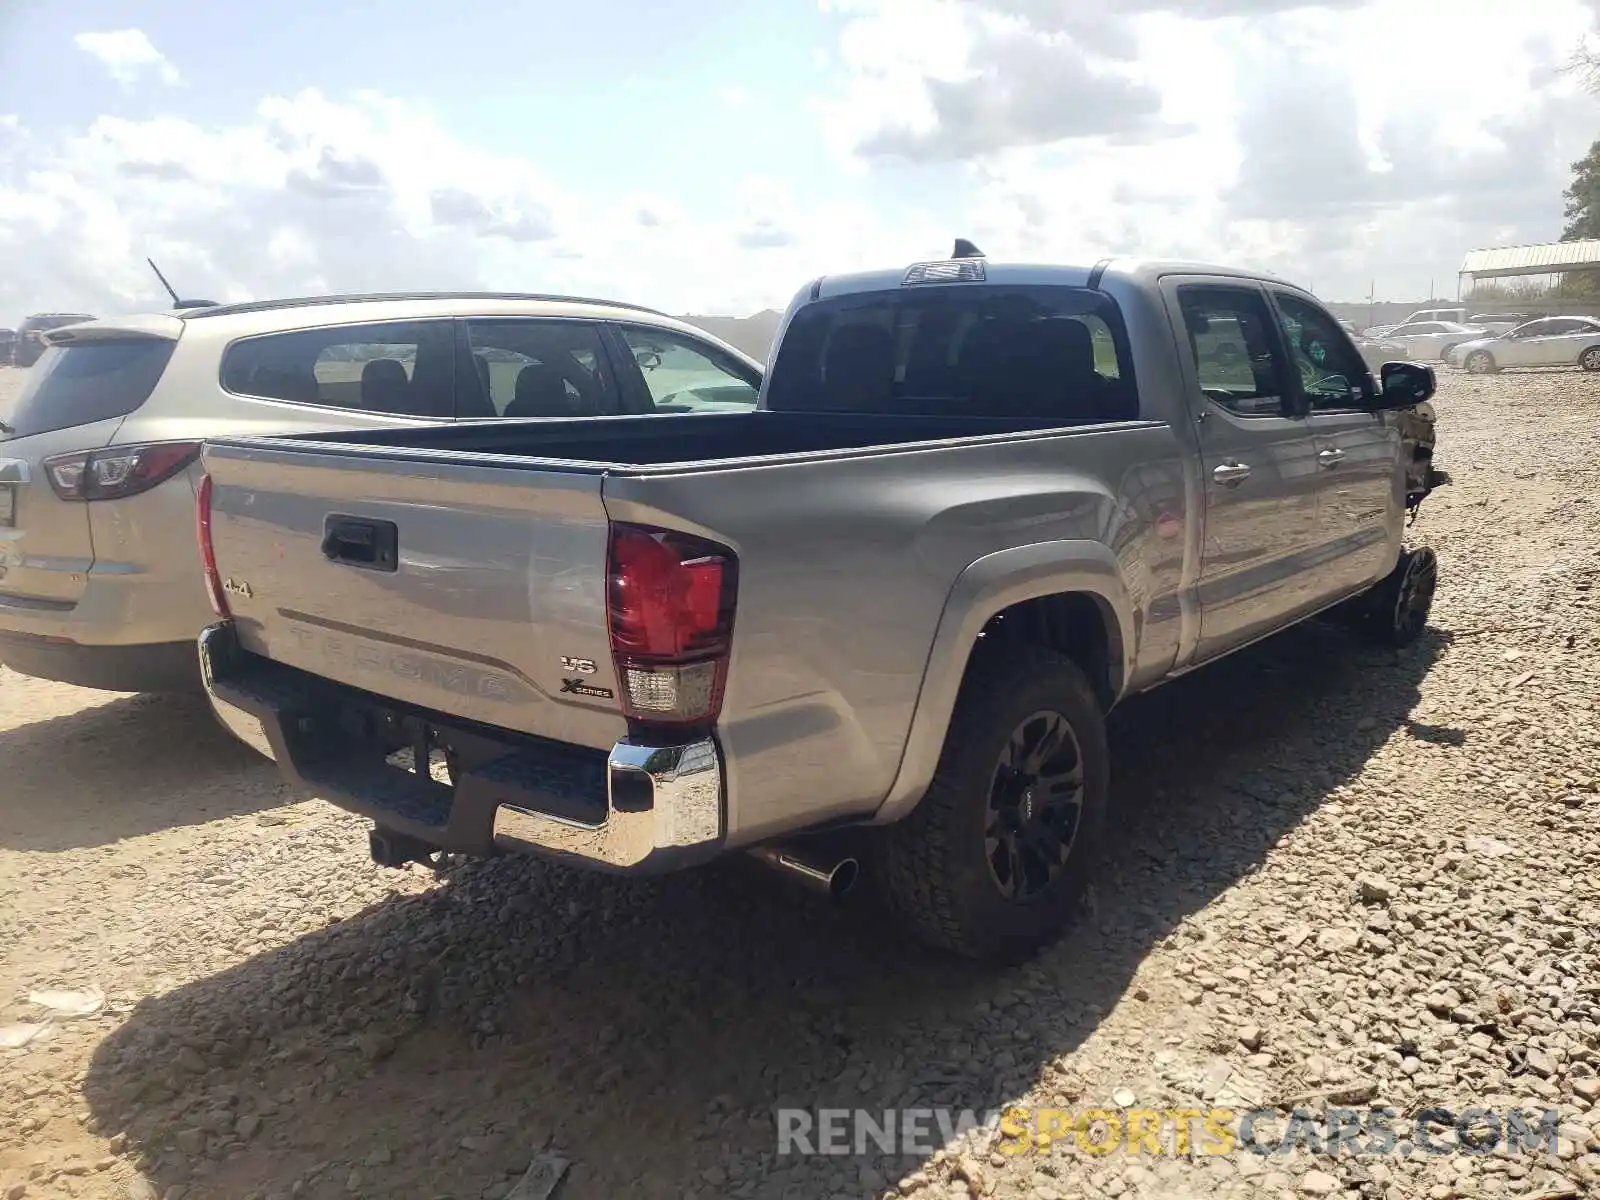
(1499, 322)
(879, 617)
(1376, 351)
(1454, 316)
(1547, 342)
(29, 341)
(100, 579)
(1431, 339)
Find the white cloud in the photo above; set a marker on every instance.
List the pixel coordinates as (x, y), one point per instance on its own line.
(129, 55)
(1284, 134)
(1272, 133)
(315, 194)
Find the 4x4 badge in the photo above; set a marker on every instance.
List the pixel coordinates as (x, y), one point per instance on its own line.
(237, 587)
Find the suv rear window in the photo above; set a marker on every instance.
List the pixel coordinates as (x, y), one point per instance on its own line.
(1029, 353)
(87, 382)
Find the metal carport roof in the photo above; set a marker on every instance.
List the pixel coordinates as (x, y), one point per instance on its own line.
(1548, 258)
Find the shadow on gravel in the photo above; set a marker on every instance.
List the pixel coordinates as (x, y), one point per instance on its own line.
(127, 767)
(647, 1030)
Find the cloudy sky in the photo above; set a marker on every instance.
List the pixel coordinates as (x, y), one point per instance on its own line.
(712, 155)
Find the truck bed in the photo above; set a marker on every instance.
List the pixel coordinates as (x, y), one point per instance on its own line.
(671, 441)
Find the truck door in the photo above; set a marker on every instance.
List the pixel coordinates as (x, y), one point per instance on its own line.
(1361, 492)
(1258, 462)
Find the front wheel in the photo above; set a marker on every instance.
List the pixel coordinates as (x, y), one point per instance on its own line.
(991, 863)
(1480, 362)
(1395, 611)
(1589, 360)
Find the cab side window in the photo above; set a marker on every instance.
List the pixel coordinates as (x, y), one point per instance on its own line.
(1332, 373)
(1235, 357)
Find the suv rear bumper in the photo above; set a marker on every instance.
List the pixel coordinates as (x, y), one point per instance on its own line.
(162, 667)
(641, 808)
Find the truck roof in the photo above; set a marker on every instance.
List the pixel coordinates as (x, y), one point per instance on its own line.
(1136, 270)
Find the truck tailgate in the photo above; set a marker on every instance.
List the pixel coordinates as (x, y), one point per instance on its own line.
(470, 588)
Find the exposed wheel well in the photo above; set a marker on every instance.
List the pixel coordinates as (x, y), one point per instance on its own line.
(1077, 624)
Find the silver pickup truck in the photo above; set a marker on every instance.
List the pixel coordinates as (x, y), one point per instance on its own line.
(878, 619)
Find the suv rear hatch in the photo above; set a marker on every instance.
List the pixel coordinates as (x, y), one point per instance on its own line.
(76, 397)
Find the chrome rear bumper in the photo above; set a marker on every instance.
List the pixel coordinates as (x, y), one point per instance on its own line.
(645, 808)
(658, 798)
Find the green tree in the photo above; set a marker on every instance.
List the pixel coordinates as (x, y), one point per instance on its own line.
(1583, 198)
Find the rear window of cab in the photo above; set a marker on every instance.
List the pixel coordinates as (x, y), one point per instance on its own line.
(1039, 353)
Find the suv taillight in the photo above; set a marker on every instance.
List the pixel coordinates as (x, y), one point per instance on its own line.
(669, 605)
(208, 554)
(118, 471)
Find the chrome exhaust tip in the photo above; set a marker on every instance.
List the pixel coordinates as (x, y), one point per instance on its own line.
(831, 878)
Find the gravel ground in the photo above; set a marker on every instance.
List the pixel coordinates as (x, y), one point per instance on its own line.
(1351, 875)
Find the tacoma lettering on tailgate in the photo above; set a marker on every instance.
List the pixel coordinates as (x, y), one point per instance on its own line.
(463, 679)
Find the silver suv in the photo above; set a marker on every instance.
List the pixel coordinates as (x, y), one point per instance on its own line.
(100, 577)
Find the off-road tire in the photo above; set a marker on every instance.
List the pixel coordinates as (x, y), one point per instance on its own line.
(1395, 611)
(932, 865)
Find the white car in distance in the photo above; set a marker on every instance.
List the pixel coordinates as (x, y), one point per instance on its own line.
(1432, 339)
(1547, 342)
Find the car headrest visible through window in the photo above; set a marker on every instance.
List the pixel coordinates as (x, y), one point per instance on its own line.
(541, 392)
(858, 367)
(385, 387)
(1057, 345)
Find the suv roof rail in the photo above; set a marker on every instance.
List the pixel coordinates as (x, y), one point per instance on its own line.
(254, 306)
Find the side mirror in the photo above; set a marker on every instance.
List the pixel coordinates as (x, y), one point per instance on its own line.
(1405, 384)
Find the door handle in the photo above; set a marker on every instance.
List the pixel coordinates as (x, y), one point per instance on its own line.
(1231, 473)
(1330, 458)
(357, 542)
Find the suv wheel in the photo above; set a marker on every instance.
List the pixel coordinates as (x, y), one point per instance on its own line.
(991, 863)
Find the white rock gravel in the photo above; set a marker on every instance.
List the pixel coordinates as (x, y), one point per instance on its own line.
(1350, 876)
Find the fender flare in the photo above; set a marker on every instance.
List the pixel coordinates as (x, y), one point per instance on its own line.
(988, 586)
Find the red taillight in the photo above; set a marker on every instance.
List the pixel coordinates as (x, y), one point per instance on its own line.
(669, 604)
(118, 471)
(208, 555)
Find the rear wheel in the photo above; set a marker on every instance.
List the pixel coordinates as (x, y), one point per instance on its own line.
(991, 863)
(1589, 360)
(1480, 362)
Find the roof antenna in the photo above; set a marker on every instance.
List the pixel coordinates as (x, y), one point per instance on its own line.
(176, 302)
(964, 249)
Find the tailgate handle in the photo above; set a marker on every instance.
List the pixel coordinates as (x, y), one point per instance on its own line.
(358, 542)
